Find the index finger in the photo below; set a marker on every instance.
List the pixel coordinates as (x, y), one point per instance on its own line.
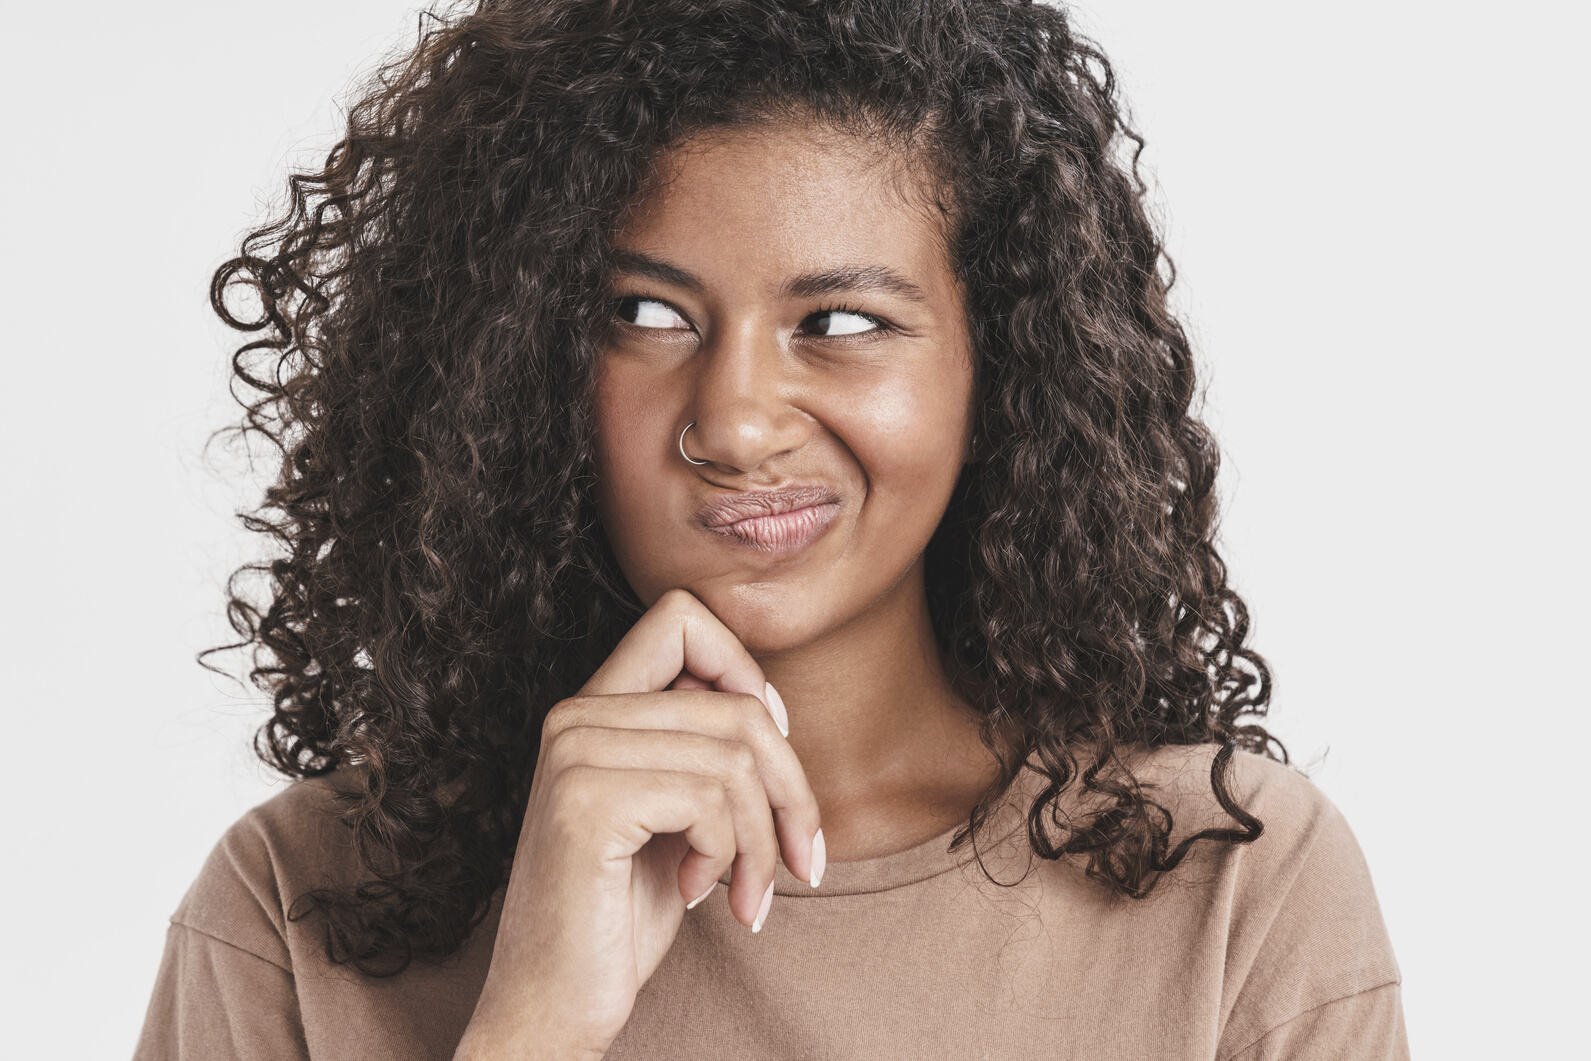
(679, 635)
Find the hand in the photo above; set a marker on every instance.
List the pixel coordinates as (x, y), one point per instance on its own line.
(666, 769)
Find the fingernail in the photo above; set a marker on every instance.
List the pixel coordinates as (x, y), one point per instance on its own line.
(820, 858)
(702, 896)
(781, 718)
(762, 911)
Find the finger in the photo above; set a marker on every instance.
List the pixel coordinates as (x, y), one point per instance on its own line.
(632, 806)
(679, 635)
(729, 762)
(726, 716)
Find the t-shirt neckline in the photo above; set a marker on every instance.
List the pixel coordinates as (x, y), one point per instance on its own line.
(914, 864)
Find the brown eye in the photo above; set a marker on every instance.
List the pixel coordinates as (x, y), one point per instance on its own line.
(840, 322)
(651, 313)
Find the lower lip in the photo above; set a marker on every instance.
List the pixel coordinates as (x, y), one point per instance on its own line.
(784, 534)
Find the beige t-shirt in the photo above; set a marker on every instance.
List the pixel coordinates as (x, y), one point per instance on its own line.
(1271, 950)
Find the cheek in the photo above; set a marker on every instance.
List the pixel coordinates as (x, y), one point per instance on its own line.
(624, 452)
(908, 433)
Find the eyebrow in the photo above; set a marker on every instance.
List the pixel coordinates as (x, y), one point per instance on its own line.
(656, 269)
(808, 285)
(854, 278)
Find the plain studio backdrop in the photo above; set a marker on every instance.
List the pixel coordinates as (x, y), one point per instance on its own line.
(1378, 210)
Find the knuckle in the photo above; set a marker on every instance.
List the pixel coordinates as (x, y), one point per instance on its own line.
(564, 748)
(741, 760)
(560, 716)
(554, 754)
(676, 600)
(576, 791)
(710, 793)
(762, 846)
(720, 712)
(749, 712)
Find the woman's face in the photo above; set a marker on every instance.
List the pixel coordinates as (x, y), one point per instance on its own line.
(786, 289)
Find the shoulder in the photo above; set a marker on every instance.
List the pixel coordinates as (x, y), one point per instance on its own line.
(1304, 845)
(290, 844)
(1306, 857)
(1294, 813)
(1303, 925)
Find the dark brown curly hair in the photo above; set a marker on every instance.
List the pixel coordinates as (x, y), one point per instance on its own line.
(427, 313)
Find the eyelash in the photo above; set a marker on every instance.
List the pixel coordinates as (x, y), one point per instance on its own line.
(879, 323)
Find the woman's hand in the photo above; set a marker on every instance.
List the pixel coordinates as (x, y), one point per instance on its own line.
(665, 770)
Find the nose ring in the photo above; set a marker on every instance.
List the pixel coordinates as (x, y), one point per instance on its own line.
(682, 452)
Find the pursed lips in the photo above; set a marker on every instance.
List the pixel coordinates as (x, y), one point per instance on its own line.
(772, 521)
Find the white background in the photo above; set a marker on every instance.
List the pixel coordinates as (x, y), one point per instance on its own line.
(1379, 211)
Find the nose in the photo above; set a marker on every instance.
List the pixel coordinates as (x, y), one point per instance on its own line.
(743, 418)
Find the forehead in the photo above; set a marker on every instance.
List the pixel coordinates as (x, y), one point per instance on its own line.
(792, 196)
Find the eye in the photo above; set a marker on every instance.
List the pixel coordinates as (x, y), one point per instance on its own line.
(840, 322)
(651, 313)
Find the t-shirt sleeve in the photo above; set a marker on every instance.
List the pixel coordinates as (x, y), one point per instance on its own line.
(1310, 969)
(228, 982)
(217, 1002)
(1367, 1026)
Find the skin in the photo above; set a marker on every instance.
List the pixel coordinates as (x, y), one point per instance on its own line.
(786, 289)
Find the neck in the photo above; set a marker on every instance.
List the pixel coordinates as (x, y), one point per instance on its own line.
(892, 753)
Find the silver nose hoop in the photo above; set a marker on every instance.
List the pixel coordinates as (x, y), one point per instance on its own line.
(682, 452)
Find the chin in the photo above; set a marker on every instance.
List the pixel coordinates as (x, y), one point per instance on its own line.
(768, 617)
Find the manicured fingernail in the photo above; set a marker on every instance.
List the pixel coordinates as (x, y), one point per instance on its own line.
(781, 718)
(702, 896)
(762, 911)
(820, 858)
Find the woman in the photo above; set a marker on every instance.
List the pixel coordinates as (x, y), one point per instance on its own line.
(746, 585)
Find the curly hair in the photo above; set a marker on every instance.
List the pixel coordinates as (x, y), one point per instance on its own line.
(426, 316)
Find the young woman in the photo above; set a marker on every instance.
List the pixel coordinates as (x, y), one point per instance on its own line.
(745, 581)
